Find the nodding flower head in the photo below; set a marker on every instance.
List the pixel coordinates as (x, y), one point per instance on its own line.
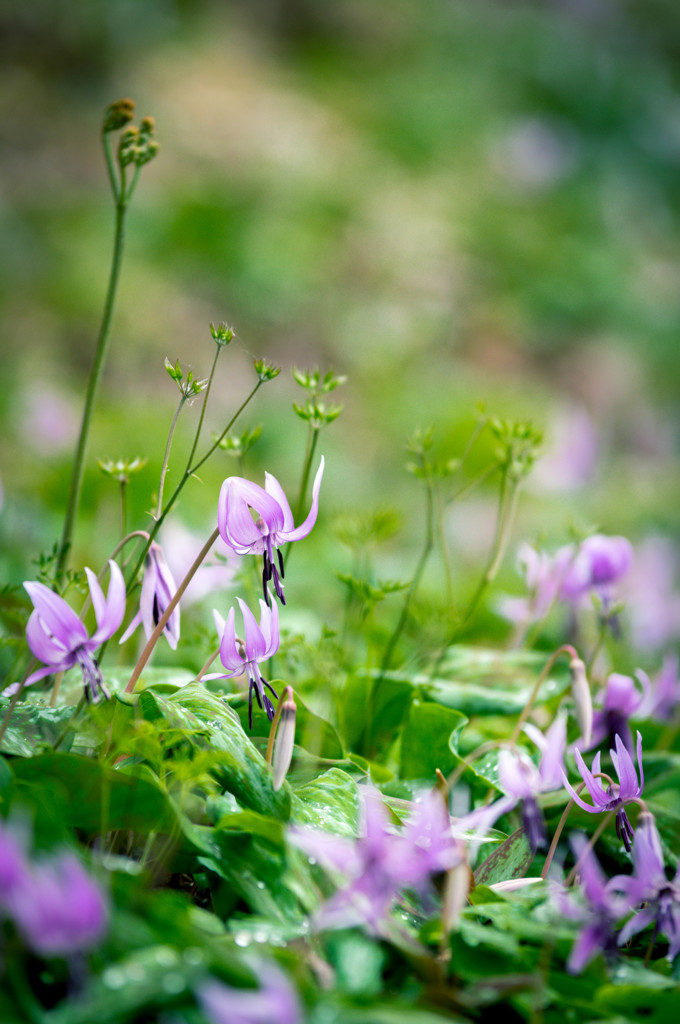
(272, 526)
(616, 795)
(240, 656)
(58, 638)
(158, 589)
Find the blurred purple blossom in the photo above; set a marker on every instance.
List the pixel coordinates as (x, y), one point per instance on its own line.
(620, 700)
(521, 779)
(662, 693)
(599, 563)
(240, 656)
(616, 795)
(58, 638)
(49, 419)
(652, 596)
(382, 861)
(599, 908)
(158, 589)
(58, 908)
(570, 458)
(275, 1000)
(649, 886)
(216, 573)
(274, 524)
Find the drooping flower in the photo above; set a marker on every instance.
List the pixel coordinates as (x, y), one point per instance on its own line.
(649, 886)
(621, 700)
(599, 908)
(58, 907)
(599, 564)
(521, 779)
(158, 589)
(616, 795)
(58, 638)
(382, 861)
(275, 1000)
(272, 527)
(240, 656)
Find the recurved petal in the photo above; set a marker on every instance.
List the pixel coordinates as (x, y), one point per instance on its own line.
(304, 528)
(274, 488)
(109, 612)
(625, 769)
(269, 625)
(593, 785)
(255, 642)
(43, 645)
(229, 655)
(58, 617)
(234, 520)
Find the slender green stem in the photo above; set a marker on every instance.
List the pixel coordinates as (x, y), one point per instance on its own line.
(189, 471)
(110, 165)
(564, 649)
(206, 395)
(445, 548)
(91, 394)
(123, 510)
(162, 622)
(166, 457)
(312, 439)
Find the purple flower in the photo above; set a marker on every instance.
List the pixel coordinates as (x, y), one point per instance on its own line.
(599, 563)
(276, 1000)
(240, 656)
(383, 861)
(158, 589)
(650, 887)
(58, 638)
(520, 778)
(600, 912)
(651, 594)
(272, 527)
(616, 795)
(622, 700)
(58, 907)
(662, 694)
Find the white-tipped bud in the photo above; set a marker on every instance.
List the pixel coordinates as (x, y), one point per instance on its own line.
(285, 738)
(456, 891)
(583, 702)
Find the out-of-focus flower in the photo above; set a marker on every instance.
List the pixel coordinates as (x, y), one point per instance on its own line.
(49, 420)
(216, 573)
(274, 524)
(598, 565)
(544, 575)
(240, 656)
(650, 887)
(600, 909)
(622, 700)
(383, 861)
(616, 795)
(58, 638)
(275, 1000)
(651, 595)
(570, 458)
(58, 907)
(521, 779)
(662, 693)
(158, 589)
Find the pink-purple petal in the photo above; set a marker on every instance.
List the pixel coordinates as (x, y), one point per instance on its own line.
(306, 527)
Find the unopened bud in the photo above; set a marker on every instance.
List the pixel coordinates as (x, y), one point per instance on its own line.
(285, 738)
(583, 702)
(147, 126)
(459, 881)
(222, 334)
(118, 114)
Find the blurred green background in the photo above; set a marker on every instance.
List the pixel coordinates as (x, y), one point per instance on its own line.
(448, 202)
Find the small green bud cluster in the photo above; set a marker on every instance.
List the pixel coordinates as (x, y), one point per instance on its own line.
(419, 446)
(314, 411)
(518, 447)
(222, 334)
(117, 115)
(138, 145)
(312, 381)
(121, 469)
(238, 446)
(266, 370)
(189, 387)
(317, 413)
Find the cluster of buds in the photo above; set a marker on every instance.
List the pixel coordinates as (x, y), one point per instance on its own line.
(138, 145)
(188, 386)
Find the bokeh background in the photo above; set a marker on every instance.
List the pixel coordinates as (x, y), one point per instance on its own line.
(447, 202)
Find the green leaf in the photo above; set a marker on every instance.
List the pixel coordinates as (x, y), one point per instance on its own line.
(428, 741)
(330, 803)
(512, 859)
(33, 727)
